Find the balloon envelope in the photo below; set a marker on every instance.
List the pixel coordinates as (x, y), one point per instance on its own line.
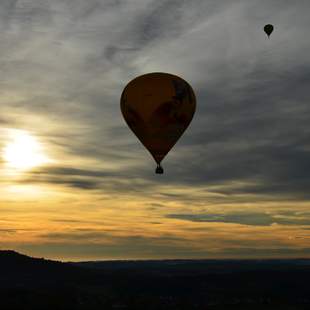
(158, 107)
(268, 29)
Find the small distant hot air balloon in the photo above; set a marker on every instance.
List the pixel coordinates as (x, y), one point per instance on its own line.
(268, 29)
(158, 107)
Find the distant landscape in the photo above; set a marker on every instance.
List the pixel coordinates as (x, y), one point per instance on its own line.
(36, 283)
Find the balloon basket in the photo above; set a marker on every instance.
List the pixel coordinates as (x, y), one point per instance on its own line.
(159, 169)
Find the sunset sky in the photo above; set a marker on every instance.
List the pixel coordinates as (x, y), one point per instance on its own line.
(76, 183)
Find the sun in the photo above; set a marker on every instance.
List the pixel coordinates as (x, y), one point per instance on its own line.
(23, 151)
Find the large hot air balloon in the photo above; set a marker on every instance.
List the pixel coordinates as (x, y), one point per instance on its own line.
(158, 107)
(268, 29)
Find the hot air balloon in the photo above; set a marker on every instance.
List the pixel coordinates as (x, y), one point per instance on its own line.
(158, 107)
(268, 29)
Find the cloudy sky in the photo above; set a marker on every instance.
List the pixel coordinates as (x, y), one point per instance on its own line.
(76, 183)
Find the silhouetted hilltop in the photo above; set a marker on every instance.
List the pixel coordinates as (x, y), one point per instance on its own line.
(36, 283)
(9, 257)
(18, 270)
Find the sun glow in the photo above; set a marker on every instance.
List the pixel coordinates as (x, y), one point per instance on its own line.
(23, 151)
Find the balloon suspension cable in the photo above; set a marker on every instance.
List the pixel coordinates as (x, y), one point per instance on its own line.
(159, 169)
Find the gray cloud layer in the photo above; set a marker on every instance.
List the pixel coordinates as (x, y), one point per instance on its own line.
(244, 218)
(68, 61)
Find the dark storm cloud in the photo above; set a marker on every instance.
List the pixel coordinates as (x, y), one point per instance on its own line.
(243, 218)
